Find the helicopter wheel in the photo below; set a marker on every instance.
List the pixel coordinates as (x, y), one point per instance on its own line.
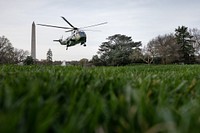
(66, 48)
(84, 45)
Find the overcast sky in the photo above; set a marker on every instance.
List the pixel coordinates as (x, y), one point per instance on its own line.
(140, 19)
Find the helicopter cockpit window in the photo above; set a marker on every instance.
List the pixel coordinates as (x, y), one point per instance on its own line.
(82, 34)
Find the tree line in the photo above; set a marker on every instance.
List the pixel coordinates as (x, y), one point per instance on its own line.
(180, 47)
(11, 55)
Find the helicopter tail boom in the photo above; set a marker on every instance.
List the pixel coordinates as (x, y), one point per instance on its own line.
(60, 41)
(57, 40)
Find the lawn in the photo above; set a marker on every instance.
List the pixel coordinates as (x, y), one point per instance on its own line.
(138, 99)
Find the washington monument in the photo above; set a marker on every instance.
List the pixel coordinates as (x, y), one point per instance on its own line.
(33, 42)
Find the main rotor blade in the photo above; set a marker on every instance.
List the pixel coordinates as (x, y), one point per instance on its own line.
(94, 25)
(93, 30)
(54, 26)
(69, 30)
(68, 22)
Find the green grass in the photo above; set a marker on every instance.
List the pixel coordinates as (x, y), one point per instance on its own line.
(55, 99)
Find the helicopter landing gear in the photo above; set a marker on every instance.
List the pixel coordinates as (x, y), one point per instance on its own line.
(83, 44)
(67, 48)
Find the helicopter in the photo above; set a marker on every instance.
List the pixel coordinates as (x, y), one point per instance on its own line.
(77, 34)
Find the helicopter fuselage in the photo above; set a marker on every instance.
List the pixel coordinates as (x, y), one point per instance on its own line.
(76, 38)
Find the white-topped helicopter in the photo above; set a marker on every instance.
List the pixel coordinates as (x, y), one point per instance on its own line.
(77, 34)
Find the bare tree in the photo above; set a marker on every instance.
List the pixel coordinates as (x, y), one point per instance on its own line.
(20, 55)
(6, 51)
(9, 54)
(196, 37)
(163, 47)
(148, 54)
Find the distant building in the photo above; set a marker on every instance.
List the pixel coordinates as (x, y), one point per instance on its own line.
(33, 42)
(63, 63)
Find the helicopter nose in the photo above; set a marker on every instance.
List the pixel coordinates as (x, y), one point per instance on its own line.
(83, 39)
